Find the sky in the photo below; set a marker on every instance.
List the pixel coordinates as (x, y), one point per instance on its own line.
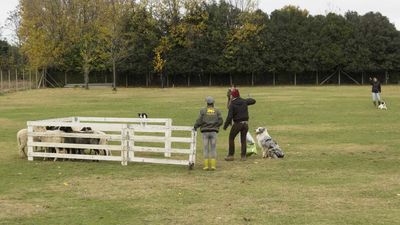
(389, 8)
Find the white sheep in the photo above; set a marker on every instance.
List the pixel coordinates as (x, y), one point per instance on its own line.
(22, 140)
(54, 137)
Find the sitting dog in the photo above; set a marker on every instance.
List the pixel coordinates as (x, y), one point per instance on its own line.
(382, 106)
(270, 148)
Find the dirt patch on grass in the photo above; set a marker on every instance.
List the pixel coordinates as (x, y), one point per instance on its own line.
(15, 208)
(7, 122)
(119, 188)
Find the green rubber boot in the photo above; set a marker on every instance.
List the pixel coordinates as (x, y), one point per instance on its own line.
(205, 164)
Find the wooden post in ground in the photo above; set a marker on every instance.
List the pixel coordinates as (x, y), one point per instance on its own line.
(209, 80)
(339, 81)
(30, 140)
(168, 133)
(316, 78)
(295, 79)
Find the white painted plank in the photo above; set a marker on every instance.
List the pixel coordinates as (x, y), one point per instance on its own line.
(76, 156)
(76, 135)
(160, 161)
(159, 150)
(124, 120)
(81, 146)
(94, 126)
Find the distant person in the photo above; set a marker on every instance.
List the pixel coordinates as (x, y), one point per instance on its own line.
(239, 113)
(376, 91)
(209, 122)
(229, 96)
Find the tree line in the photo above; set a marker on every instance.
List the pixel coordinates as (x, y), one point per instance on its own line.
(170, 41)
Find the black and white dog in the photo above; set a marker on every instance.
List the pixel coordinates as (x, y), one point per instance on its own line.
(143, 116)
(270, 148)
(382, 106)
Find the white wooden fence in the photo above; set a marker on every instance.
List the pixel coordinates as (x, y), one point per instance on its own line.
(128, 140)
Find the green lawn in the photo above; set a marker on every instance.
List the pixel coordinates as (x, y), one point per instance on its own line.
(342, 163)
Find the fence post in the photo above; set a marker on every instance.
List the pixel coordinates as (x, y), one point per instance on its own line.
(131, 134)
(30, 140)
(168, 133)
(124, 145)
(192, 156)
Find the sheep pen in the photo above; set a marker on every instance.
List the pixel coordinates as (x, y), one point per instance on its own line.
(110, 139)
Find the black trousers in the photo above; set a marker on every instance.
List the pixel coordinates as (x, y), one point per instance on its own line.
(243, 128)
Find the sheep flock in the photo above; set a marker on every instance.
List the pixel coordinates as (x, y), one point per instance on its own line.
(54, 135)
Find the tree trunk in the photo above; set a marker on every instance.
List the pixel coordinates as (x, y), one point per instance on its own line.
(386, 77)
(114, 76)
(162, 80)
(16, 79)
(86, 71)
(362, 78)
(167, 80)
(252, 78)
(147, 79)
(273, 79)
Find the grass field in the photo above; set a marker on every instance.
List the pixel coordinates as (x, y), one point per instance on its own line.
(342, 163)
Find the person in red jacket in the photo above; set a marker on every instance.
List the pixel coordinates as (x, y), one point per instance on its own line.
(239, 114)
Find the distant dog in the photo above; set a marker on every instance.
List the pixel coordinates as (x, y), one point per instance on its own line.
(382, 106)
(143, 116)
(270, 148)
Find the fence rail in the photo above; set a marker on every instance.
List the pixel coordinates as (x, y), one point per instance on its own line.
(127, 139)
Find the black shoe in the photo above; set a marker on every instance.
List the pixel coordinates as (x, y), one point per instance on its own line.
(229, 158)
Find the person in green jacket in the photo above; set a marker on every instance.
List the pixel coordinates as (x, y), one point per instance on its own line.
(209, 121)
